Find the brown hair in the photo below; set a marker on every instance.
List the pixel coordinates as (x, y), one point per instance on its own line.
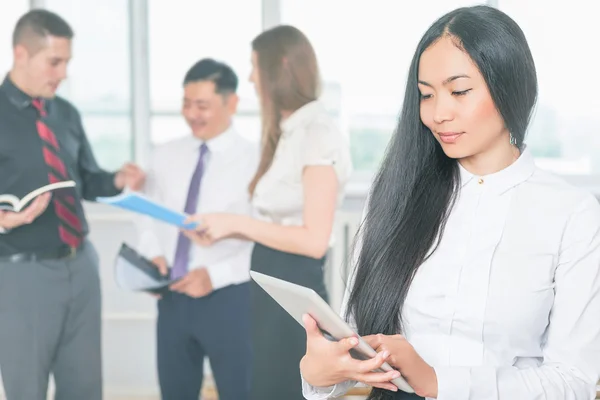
(289, 78)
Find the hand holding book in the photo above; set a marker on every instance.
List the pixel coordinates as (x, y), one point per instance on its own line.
(15, 212)
(12, 219)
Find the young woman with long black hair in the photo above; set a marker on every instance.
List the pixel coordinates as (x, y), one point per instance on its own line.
(477, 274)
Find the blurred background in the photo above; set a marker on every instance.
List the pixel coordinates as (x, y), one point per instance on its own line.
(130, 57)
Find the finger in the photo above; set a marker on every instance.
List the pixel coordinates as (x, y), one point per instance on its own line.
(37, 206)
(347, 344)
(373, 363)
(193, 236)
(162, 268)
(6, 221)
(183, 288)
(192, 218)
(41, 205)
(373, 340)
(181, 284)
(190, 234)
(11, 219)
(386, 386)
(26, 216)
(46, 199)
(372, 378)
(204, 238)
(34, 205)
(311, 328)
(200, 225)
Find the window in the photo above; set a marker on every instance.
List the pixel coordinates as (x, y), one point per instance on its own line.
(99, 81)
(564, 134)
(182, 32)
(10, 12)
(364, 58)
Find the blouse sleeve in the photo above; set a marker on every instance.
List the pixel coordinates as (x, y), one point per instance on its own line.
(324, 144)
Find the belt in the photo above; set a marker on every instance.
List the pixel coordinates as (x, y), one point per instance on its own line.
(60, 253)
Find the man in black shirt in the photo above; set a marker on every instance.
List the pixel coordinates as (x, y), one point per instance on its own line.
(49, 282)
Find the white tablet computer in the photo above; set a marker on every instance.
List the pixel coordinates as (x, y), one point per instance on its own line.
(299, 300)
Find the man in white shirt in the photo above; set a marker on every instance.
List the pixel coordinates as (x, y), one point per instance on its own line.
(206, 313)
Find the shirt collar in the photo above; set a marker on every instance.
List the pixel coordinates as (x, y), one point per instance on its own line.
(302, 115)
(219, 143)
(15, 95)
(503, 180)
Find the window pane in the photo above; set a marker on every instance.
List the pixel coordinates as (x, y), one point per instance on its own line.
(365, 61)
(184, 31)
(99, 71)
(565, 134)
(169, 127)
(110, 138)
(10, 12)
(98, 82)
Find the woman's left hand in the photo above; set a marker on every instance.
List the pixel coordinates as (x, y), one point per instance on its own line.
(212, 227)
(419, 375)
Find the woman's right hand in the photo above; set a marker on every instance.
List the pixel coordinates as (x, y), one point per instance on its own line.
(327, 363)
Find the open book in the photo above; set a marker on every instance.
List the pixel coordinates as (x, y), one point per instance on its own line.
(13, 203)
(142, 205)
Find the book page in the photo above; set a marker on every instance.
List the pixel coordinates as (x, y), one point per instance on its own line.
(9, 202)
(53, 186)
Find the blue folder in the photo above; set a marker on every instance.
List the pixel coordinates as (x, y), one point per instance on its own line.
(142, 205)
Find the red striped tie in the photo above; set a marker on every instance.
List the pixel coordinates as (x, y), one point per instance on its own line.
(70, 230)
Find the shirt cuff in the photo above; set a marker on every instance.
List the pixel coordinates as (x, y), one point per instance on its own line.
(116, 190)
(220, 275)
(453, 383)
(311, 392)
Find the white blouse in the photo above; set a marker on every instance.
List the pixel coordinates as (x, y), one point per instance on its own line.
(309, 137)
(508, 307)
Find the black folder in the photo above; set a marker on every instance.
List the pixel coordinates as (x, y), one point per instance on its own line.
(135, 272)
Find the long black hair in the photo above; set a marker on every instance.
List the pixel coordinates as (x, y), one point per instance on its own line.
(416, 185)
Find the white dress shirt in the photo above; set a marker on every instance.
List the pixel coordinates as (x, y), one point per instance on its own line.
(508, 306)
(309, 137)
(229, 168)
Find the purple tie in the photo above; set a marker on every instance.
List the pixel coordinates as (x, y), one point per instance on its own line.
(182, 254)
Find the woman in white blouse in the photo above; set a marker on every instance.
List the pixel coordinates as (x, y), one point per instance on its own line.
(305, 163)
(479, 271)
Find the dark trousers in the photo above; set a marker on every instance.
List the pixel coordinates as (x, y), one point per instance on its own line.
(279, 342)
(50, 323)
(216, 326)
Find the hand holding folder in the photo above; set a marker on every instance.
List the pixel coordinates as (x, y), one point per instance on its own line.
(137, 273)
(142, 205)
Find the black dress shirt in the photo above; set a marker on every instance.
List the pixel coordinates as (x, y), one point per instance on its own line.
(23, 169)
